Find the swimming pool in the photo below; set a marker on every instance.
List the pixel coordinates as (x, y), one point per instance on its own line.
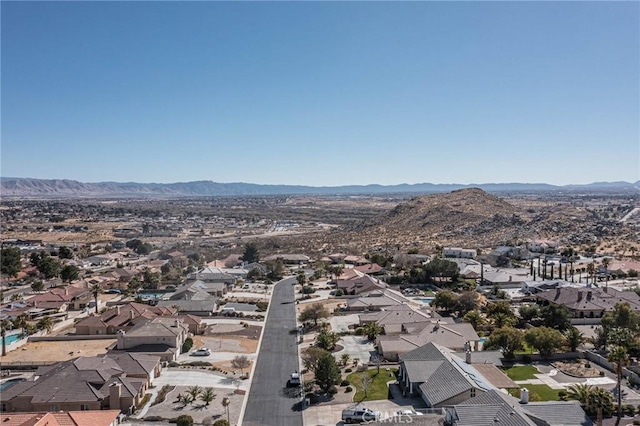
(11, 338)
(427, 300)
(9, 383)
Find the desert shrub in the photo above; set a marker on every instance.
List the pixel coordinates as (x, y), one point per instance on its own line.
(348, 389)
(562, 395)
(348, 370)
(221, 422)
(174, 364)
(154, 419)
(162, 394)
(184, 420)
(333, 390)
(344, 383)
(198, 364)
(359, 331)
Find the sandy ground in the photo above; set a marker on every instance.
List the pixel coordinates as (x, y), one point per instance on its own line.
(57, 351)
(226, 344)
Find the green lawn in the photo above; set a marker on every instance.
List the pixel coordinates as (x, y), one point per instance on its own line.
(377, 388)
(544, 392)
(521, 372)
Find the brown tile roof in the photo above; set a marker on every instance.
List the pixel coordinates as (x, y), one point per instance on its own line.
(70, 418)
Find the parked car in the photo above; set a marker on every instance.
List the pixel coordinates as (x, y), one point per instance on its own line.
(359, 414)
(201, 352)
(408, 413)
(294, 380)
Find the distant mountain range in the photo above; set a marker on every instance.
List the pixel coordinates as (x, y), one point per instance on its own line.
(27, 187)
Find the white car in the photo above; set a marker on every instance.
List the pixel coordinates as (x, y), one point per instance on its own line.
(359, 414)
(201, 352)
(408, 413)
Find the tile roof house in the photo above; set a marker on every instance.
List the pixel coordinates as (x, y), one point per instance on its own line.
(60, 298)
(373, 301)
(370, 269)
(211, 275)
(589, 302)
(440, 378)
(290, 259)
(354, 282)
(497, 408)
(392, 318)
(85, 383)
(64, 418)
(121, 318)
(454, 336)
(159, 336)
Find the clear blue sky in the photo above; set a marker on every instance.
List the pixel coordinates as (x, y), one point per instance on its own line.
(323, 93)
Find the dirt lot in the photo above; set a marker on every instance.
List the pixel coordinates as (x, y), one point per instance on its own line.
(226, 344)
(58, 351)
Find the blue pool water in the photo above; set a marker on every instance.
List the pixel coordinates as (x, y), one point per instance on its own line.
(482, 339)
(9, 383)
(427, 299)
(9, 339)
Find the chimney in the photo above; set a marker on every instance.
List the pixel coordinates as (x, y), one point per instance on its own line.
(524, 396)
(579, 296)
(114, 396)
(131, 314)
(176, 323)
(467, 346)
(66, 291)
(118, 310)
(589, 295)
(467, 357)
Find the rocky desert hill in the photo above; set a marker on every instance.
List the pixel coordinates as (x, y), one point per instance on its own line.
(470, 218)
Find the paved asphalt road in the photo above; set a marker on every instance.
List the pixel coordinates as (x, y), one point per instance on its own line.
(270, 401)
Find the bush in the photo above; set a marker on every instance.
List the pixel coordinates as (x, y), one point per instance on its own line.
(198, 364)
(333, 390)
(587, 365)
(562, 395)
(348, 370)
(602, 374)
(359, 331)
(526, 359)
(629, 410)
(184, 420)
(348, 389)
(187, 345)
(174, 364)
(344, 383)
(312, 397)
(162, 394)
(154, 419)
(221, 422)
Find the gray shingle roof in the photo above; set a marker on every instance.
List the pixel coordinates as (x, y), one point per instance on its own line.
(428, 352)
(445, 383)
(559, 413)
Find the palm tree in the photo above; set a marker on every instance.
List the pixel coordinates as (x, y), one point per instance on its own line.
(45, 323)
(5, 325)
(194, 391)
(619, 355)
(225, 403)
(574, 338)
(95, 290)
(501, 319)
(21, 321)
(591, 267)
(207, 395)
(30, 328)
(474, 318)
(580, 392)
(599, 401)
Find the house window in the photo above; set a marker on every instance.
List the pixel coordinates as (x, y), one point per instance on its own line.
(84, 407)
(473, 392)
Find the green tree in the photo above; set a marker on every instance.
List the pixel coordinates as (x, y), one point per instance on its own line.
(574, 338)
(600, 401)
(187, 345)
(310, 357)
(49, 267)
(500, 319)
(225, 404)
(184, 420)
(445, 300)
(313, 313)
(327, 339)
(326, 372)
(275, 269)
(546, 340)
(474, 318)
(150, 279)
(301, 278)
(10, 263)
(529, 312)
(95, 291)
(344, 358)
(467, 301)
(251, 253)
(37, 285)
(442, 268)
(241, 362)
(207, 395)
(21, 322)
(69, 273)
(45, 323)
(501, 307)
(65, 253)
(372, 330)
(194, 391)
(5, 325)
(556, 316)
(508, 339)
(622, 316)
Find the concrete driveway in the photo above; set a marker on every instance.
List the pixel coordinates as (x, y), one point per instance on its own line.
(202, 378)
(357, 347)
(324, 415)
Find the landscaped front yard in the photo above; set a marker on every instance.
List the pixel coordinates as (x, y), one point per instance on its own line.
(377, 387)
(521, 372)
